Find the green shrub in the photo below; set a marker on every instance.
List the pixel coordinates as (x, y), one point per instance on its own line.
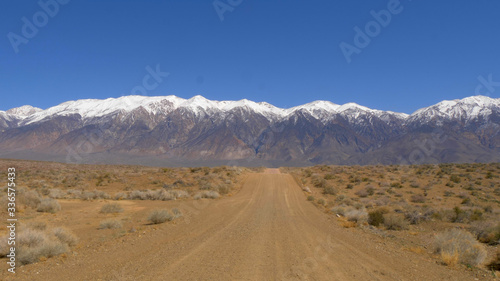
(376, 217)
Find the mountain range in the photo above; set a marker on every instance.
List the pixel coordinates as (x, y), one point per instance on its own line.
(172, 131)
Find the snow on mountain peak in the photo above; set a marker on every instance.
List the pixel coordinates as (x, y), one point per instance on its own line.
(23, 111)
(466, 109)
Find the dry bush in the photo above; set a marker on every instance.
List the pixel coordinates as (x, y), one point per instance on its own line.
(160, 216)
(376, 217)
(495, 263)
(177, 213)
(329, 190)
(4, 246)
(120, 196)
(355, 215)
(56, 193)
(338, 210)
(110, 224)
(49, 205)
(31, 199)
(65, 236)
(395, 222)
(207, 194)
(111, 208)
(34, 244)
(457, 245)
(93, 195)
(362, 193)
(487, 232)
(417, 198)
(37, 225)
(46, 249)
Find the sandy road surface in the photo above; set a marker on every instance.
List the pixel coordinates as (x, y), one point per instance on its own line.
(268, 231)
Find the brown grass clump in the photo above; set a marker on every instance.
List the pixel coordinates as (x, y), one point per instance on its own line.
(49, 205)
(111, 208)
(456, 245)
(65, 236)
(31, 199)
(395, 222)
(35, 245)
(110, 224)
(495, 263)
(357, 216)
(160, 216)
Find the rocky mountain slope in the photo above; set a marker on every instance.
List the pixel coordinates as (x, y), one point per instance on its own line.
(169, 130)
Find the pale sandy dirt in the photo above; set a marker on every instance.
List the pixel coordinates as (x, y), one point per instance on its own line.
(267, 231)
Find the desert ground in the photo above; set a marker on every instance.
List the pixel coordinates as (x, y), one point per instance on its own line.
(91, 222)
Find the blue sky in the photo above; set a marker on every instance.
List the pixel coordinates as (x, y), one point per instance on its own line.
(284, 52)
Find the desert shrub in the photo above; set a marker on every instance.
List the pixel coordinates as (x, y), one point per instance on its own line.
(31, 199)
(460, 215)
(321, 202)
(160, 216)
(376, 217)
(37, 225)
(223, 189)
(487, 232)
(417, 198)
(338, 210)
(370, 189)
(456, 245)
(329, 176)
(395, 222)
(93, 195)
(495, 263)
(349, 186)
(111, 208)
(120, 196)
(319, 182)
(110, 224)
(49, 205)
(32, 245)
(65, 236)
(329, 190)
(207, 194)
(56, 193)
(74, 193)
(455, 178)
(396, 185)
(177, 213)
(356, 215)
(362, 193)
(46, 249)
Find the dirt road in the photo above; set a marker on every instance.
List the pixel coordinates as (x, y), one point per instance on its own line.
(267, 231)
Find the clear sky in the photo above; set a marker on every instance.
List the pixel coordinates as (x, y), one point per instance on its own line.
(284, 52)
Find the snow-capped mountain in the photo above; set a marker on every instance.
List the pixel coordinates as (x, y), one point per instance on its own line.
(176, 130)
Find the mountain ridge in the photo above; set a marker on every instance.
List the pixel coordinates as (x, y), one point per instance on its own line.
(170, 128)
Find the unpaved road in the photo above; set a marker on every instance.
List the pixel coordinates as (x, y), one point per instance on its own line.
(267, 231)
